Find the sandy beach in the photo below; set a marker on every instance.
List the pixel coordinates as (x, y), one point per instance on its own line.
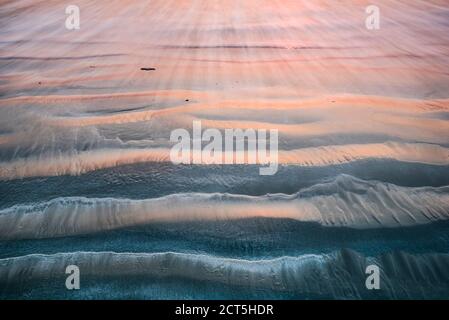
(85, 123)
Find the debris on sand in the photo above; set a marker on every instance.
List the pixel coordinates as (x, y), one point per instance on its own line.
(148, 69)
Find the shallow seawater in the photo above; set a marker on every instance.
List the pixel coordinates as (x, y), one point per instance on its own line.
(86, 178)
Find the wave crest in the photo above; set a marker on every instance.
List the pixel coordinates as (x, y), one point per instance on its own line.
(345, 201)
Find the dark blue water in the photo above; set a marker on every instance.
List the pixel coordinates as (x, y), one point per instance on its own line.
(209, 259)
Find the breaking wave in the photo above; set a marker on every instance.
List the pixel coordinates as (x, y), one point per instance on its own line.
(81, 162)
(345, 201)
(339, 275)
